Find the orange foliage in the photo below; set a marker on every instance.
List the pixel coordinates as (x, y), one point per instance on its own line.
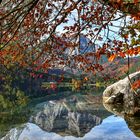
(136, 16)
(112, 57)
(24, 24)
(86, 79)
(136, 85)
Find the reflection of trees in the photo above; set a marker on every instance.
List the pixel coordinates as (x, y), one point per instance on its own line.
(8, 121)
(11, 95)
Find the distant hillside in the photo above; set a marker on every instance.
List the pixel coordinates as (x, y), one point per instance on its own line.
(112, 70)
(118, 68)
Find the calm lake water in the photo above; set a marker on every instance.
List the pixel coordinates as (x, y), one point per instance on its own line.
(78, 116)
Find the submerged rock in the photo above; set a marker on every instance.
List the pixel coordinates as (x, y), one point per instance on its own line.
(122, 93)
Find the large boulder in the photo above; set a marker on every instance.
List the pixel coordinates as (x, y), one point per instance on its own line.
(122, 93)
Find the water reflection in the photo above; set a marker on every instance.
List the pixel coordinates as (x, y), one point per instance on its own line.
(74, 116)
(8, 121)
(78, 117)
(112, 128)
(132, 122)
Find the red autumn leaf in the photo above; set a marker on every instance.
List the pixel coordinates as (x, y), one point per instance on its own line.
(136, 85)
(122, 54)
(125, 36)
(83, 17)
(135, 1)
(53, 86)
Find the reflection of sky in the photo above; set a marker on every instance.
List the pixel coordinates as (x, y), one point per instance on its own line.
(112, 128)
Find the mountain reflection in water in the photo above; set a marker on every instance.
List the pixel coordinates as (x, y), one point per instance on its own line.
(73, 116)
(78, 117)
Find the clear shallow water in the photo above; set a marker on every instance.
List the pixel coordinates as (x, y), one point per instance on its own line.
(77, 117)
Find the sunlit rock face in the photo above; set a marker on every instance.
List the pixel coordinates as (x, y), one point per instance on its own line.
(68, 117)
(122, 93)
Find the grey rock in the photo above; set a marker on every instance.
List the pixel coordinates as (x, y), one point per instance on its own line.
(122, 93)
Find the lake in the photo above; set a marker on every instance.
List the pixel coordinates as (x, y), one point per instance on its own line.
(77, 115)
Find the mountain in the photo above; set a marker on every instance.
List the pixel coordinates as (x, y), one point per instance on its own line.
(86, 45)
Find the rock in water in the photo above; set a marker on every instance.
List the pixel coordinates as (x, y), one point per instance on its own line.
(122, 93)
